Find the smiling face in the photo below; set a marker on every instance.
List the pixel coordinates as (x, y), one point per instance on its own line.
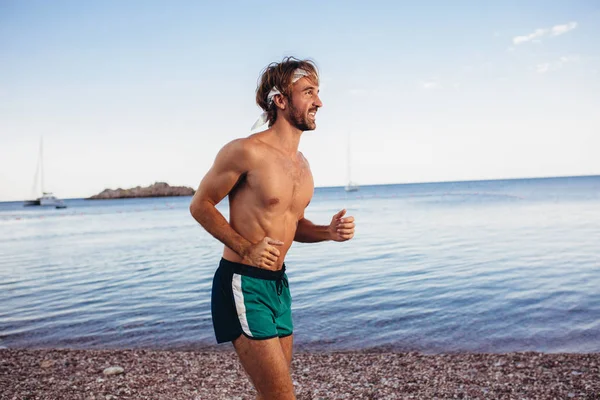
(290, 77)
(304, 104)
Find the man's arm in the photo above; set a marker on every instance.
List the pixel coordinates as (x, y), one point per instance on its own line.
(340, 229)
(307, 232)
(229, 165)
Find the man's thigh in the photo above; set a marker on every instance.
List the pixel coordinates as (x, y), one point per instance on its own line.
(287, 346)
(267, 365)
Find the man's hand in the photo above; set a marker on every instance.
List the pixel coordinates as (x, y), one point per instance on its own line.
(263, 254)
(341, 229)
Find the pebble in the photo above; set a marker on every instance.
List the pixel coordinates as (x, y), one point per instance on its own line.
(113, 371)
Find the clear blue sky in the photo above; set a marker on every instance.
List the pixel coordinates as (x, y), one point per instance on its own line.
(126, 93)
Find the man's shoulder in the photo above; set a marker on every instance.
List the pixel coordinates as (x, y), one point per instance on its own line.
(303, 159)
(254, 145)
(242, 152)
(245, 145)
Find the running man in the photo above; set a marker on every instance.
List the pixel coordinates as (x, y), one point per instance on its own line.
(269, 184)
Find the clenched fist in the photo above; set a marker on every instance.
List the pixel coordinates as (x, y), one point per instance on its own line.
(263, 254)
(341, 229)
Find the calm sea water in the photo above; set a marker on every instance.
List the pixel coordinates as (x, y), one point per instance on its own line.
(491, 266)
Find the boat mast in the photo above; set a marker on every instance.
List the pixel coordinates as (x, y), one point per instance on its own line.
(348, 162)
(42, 162)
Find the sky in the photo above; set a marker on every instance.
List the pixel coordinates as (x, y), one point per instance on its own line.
(127, 93)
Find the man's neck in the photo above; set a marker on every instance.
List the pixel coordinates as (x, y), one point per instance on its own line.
(287, 137)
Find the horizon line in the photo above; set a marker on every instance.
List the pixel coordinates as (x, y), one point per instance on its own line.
(469, 180)
(390, 184)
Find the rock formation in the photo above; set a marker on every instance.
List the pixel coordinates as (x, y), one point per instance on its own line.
(159, 189)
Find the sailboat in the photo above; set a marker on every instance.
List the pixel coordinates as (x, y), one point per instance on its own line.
(350, 186)
(47, 198)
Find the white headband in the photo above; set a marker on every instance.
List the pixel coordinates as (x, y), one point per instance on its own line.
(263, 119)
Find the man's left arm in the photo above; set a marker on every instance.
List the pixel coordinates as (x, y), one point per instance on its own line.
(340, 229)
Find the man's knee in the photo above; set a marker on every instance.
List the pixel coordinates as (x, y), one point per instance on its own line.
(267, 366)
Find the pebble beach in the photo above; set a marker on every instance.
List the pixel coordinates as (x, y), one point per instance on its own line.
(193, 375)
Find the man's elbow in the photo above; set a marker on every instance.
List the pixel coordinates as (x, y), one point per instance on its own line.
(197, 208)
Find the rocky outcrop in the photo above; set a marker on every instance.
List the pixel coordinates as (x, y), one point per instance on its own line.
(159, 189)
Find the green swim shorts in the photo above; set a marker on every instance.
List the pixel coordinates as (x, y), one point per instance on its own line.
(251, 301)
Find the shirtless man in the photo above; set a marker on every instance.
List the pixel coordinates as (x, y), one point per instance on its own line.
(269, 184)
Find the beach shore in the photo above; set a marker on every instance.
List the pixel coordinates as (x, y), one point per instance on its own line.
(192, 375)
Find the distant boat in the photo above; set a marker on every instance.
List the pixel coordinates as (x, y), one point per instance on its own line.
(47, 199)
(350, 186)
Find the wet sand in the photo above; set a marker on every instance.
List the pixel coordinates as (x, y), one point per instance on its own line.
(193, 375)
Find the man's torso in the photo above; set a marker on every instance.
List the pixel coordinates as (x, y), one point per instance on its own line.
(270, 198)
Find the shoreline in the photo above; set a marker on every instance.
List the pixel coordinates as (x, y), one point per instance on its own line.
(216, 374)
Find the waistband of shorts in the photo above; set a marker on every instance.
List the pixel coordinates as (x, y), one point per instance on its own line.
(251, 271)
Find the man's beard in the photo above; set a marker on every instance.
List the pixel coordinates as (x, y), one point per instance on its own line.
(299, 120)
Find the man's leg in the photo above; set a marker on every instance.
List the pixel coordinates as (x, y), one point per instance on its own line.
(287, 344)
(267, 365)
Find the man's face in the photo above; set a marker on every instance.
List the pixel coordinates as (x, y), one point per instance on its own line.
(304, 104)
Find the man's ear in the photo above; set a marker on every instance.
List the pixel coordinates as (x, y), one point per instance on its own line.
(280, 101)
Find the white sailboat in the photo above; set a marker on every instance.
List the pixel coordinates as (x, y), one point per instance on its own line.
(350, 186)
(47, 199)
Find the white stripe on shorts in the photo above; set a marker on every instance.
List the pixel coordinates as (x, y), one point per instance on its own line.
(238, 295)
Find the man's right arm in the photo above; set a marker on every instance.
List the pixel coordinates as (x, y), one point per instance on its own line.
(231, 162)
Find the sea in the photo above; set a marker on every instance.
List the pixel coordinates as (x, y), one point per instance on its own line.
(482, 266)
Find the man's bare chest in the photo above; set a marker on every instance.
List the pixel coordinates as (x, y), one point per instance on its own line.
(281, 186)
